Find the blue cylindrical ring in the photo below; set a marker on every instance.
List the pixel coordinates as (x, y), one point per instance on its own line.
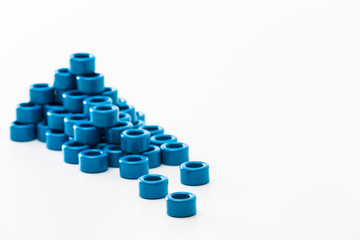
(41, 129)
(112, 135)
(181, 204)
(194, 173)
(112, 93)
(104, 116)
(124, 117)
(64, 80)
(55, 139)
(52, 106)
(70, 120)
(135, 140)
(71, 151)
(129, 109)
(133, 166)
(174, 153)
(86, 133)
(122, 102)
(153, 129)
(140, 116)
(91, 83)
(93, 161)
(41, 93)
(138, 123)
(114, 153)
(73, 101)
(154, 155)
(28, 113)
(56, 119)
(160, 139)
(22, 132)
(95, 101)
(153, 186)
(82, 63)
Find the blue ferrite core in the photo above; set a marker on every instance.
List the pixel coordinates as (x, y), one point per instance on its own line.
(129, 109)
(93, 161)
(153, 129)
(71, 151)
(133, 166)
(104, 116)
(140, 116)
(82, 63)
(52, 106)
(64, 80)
(56, 119)
(55, 139)
(69, 122)
(22, 132)
(112, 135)
(90, 83)
(112, 93)
(154, 155)
(41, 129)
(153, 186)
(160, 139)
(194, 173)
(122, 102)
(138, 123)
(114, 154)
(86, 133)
(28, 113)
(124, 117)
(41, 93)
(174, 153)
(181, 204)
(73, 101)
(95, 101)
(135, 140)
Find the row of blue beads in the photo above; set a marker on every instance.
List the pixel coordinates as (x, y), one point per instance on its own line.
(97, 130)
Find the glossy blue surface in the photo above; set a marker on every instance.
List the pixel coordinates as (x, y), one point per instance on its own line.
(160, 139)
(181, 204)
(154, 155)
(55, 139)
(93, 161)
(140, 116)
(22, 132)
(153, 186)
(86, 133)
(41, 129)
(112, 93)
(135, 140)
(73, 101)
(64, 80)
(124, 117)
(174, 153)
(70, 120)
(133, 166)
(122, 102)
(41, 93)
(71, 151)
(104, 116)
(138, 123)
(101, 145)
(95, 101)
(55, 119)
(129, 109)
(194, 173)
(28, 113)
(114, 153)
(90, 83)
(51, 106)
(82, 63)
(59, 95)
(153, 129)
(112, 135)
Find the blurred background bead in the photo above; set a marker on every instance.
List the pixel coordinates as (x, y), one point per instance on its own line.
(28, 113)
(82, 63)
(41, 93)
(22, 132)
(90, 83)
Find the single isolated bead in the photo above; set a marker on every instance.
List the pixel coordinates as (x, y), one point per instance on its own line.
(133, 166)
(135, 140)
(153, 186)
(93, 161)
(73, 101)
(174, 153)
(41, 93)
(104, 116)
(194, 173)
(82, 63)
(28, 113)
(22, 132)
(71, 151)
(160, 139)
(181, 204)
(90, 83)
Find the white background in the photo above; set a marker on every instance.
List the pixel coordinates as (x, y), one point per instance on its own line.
(266, 92)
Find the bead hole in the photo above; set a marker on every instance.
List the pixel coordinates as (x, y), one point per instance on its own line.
(81, 55)
(93, 153)
(77, 118)
(163, 138)
(151, 128)
(60, 111)
(90, 75)
(152, 178)
(115, 148)
(121, 124)
(135, 132)
(122, 108)
(181, 196)
(27, 104)
(63, 70)
(75, 144)
(86, 125)
(98, 100)
(104, 108)
(40, 85)
(76, 94)
(175, 145)
(133, 159)
(194, 165)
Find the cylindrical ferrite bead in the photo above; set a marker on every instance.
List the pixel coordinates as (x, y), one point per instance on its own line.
(135, 140)
(160, 139)
(28, 113)
(104, 116)
(194, 173)
(181, 204)
(82, 63)
(93, 161)
(112, 135)
(86, 133)
(41, 93)
(133, 166)
(55, 139)
(153, 186)
(64, 80)
(114, 153)
(71, 151)
(73, 101)
(174, 153)
(154, 155)
(95, 101)
(70, 120)
(22, 132)
(91, 83)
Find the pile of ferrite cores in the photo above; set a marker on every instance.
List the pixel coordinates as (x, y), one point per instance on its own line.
(97, 130)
